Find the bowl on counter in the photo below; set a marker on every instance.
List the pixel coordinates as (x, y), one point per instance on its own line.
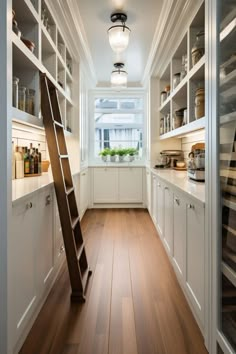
(180, 164)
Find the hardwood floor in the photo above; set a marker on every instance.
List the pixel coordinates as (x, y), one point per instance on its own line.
(134, 303)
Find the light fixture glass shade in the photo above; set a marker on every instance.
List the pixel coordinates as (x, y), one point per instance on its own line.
(119, 37)
(119, 78)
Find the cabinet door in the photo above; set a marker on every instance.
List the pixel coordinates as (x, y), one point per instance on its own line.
(44, 240)
(168, 219)
(105, 185)
(130, 185)
(195, 257)
(179, 234)
(58, 238)
(154, 198)
(84, 197)
(22, 265)
(160, 207)
(148, 190)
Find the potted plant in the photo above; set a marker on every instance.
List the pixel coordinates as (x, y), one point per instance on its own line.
(121, 153)
(104, 153)
(131, 153)
(113, 153)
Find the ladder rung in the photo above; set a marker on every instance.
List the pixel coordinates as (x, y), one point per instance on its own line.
(69, 190)
(64, 156)
(80, 251)
(75, 222)
(58, 124)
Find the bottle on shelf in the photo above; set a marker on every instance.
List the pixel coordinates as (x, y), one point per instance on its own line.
(39, 160)
(19, 163)
(36, 161)
(31, 159)
(26, 162)
(13, 162)
(21, 98)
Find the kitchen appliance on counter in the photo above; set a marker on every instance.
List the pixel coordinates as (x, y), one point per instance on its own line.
(168, 158)
(196, 163)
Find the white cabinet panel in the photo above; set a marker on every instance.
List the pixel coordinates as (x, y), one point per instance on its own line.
(154, 198)
(148, 190)
(179, 234)
(130, 185)
(160, 207)
(84, 192)
(195, 257)
(105, 185)
(168, 219)
(22, 280)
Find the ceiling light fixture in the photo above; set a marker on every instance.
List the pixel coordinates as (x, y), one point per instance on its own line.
(118, 76)
(119, 34)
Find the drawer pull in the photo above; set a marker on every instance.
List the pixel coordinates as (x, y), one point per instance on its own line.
(48, 199)
(191, 206)
(29, 206)
(177, 201)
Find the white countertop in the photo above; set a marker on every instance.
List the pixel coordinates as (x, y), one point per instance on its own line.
(180, 180)
(118, 164)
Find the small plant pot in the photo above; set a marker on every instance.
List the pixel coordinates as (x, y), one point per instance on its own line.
(104, 158)
(113, 158)
(131, 158)
(121, 158)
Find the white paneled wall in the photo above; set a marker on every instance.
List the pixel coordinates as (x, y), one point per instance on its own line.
(23, 135)
(187, 142)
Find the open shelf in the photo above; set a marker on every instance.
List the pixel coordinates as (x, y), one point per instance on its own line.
(185, 129)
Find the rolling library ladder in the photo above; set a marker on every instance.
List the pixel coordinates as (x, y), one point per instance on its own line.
(79, 271)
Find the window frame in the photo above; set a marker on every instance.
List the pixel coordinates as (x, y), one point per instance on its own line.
(116, 95)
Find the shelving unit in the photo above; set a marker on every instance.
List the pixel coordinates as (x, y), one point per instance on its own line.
(183, 96)
(227, 174)
(50, 55)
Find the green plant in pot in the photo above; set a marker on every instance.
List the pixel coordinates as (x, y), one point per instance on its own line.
(121, 153)
(132, 152)
(113, 153)
(104, 153)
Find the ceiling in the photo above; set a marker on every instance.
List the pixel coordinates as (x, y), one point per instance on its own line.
(143, 16)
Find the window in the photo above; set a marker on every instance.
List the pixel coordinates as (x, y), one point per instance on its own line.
(118, 123)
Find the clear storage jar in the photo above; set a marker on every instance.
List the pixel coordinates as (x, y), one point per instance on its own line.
(200, 103)
(198, 49)
(30, 101)
(22, 98)
(176, 80)
(15, 90)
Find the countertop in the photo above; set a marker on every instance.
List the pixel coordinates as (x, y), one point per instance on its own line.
(180, 180)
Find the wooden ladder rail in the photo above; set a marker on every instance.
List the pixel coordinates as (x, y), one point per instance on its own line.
(79, 271)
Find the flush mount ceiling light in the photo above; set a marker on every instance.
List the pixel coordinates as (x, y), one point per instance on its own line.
(119, 34)
(118, 76)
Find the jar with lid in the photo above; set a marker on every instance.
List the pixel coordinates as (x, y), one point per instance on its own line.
(15, 83)
(184, 66)
(167, 122)
(30, 101)
(176, 80)
(163, 96)
(198, 49)
(22, 98)
(200, 103)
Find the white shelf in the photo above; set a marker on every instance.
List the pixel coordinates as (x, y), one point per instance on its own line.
(230, 202)
(17, 114)
(179, 91)
(166, 105)
(228, 118)
(228, 30)
(197, 70)
(229, 273)
(188, 128)
(25, 57)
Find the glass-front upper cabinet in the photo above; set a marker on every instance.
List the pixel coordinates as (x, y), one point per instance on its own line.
(227, 167)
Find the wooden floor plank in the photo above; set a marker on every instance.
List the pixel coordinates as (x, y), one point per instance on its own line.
(134, 302)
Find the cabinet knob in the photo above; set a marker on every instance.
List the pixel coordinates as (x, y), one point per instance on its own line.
(166, 188)
(177, 201)
(29, 205)
(83, 174)
(48, 199)
(191, 206)
(158, 185)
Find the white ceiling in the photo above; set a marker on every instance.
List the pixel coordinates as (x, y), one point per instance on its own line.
(142, 19)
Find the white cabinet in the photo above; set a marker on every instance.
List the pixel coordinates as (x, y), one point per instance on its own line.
(160, 207)
(117, 185)
(84, 192)
(154, 199)
(179, 230)
(105, 185)
(195, 256)
(168, 219)
(59, 248)
(148, 189)
(130, 185)
(31, 258)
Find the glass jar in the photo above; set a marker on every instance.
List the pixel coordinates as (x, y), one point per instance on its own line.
(176, 80)
(163, 96)
(22, 98)
(184, 66)
(15, 89)
(167, 122)
(200, 103)
(30, 101)
(198, 49)
(162, 126)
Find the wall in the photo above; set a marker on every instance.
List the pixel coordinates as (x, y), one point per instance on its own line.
(191, 139)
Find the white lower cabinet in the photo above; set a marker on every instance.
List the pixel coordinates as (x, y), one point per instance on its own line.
(84, 192)
(148, 189)
(183, 237)
(168, 219)
(31, 259)
(117, 185)
(154, 199)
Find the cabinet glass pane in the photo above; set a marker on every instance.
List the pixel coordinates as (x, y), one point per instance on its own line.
(227, 163)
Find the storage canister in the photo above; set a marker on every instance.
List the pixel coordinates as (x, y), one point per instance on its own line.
(15, 83)
(200, 103)
(163, 97)
(198, 49)
(176, 80)
(30, 97)
(162, 126)
(22, 98)
(179, 117)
